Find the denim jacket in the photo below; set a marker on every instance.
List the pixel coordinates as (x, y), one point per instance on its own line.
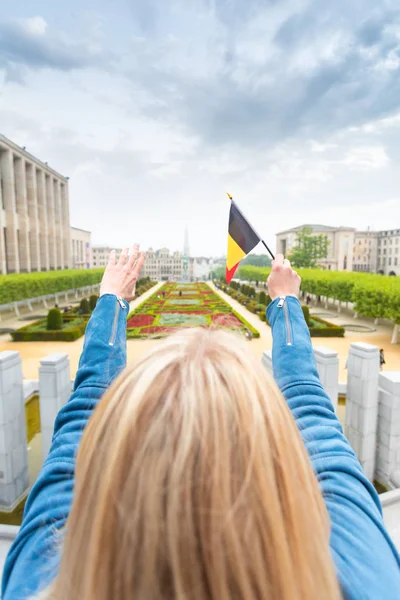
(366, 560)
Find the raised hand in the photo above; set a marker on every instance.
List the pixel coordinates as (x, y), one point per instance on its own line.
(120, 277)
(283, 280)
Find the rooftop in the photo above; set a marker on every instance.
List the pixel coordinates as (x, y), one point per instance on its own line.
(317, 228)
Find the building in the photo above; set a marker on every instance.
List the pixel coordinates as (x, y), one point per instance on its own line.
(365, 251)
(34, 213)
(340, 248)
(101, 254)
(81, 248)
(388, 252)
(161, 265)
(200, 268)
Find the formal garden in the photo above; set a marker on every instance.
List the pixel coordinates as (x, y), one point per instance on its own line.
(67, 325)
(180, 305)
(257, 303)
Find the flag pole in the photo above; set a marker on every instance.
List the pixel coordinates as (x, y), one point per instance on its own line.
(240, 212)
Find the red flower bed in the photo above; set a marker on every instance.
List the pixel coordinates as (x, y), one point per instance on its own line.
(152, 330)
(141, 321)
(226, 320)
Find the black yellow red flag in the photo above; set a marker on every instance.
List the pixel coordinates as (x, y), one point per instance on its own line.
(241, 240)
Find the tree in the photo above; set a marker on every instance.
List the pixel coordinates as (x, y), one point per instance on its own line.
(256, 260)
(309, 249)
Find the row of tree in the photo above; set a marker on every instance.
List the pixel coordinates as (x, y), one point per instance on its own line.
(374, 296)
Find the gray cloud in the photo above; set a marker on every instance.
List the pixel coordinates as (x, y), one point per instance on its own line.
(24, 47)
(300, 86)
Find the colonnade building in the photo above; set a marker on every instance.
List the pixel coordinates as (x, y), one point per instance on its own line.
(34, 213)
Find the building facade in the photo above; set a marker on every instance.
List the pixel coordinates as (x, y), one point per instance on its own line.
(162, 265)
(81, 248)
(365, 251)
(388, 252)
(340, 247)
(352, 250)
(101, 254)
(34, 213)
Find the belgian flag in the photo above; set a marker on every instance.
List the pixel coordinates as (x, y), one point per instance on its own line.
(241, 240)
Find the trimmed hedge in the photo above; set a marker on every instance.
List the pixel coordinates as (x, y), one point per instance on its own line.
(306, 313)
(30, 285)
(54, 320)
(29, 334)
(330, 330)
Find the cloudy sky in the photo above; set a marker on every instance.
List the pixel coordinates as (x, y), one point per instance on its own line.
(155, 108)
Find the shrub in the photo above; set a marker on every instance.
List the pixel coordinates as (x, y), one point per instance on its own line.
(326, 330)
(306, 313)
(260, 308)
(54, 320)
(251, 306)
(93, 301)
(262, 297)
(84, 307)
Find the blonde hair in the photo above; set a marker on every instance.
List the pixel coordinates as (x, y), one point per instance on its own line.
(192, 482)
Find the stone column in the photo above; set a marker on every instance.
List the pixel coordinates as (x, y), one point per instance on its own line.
(22, 210)
(362, 403)
(11, 217)
(33, 213)
(14, 481)
(54, 391)
(388, 451)
(60, 221)
(66, 225)
(57, 220)
(3, 265)
(42, 214)
(51, 226)
(328, 370)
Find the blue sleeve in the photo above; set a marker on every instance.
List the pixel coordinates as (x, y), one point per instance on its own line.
(366, 559)
(33, 559)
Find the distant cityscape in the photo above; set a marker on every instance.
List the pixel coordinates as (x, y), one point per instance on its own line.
(36, 235)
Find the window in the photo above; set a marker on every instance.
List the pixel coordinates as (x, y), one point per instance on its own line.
(390, 262)
(395, 261)
(384, 251)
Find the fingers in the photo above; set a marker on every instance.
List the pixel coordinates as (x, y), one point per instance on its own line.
(133, 257)
(123, 257)
(278, 260)
(111, 258)
(139, 265)
(286, 263)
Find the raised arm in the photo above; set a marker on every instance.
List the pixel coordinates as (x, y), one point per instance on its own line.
(367, 562)
(34, 556)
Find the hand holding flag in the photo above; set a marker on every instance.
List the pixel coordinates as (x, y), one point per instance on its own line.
(242, 239)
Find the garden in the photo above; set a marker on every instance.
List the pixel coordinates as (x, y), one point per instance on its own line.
(69, 325)
(257, 302)
(178, 305)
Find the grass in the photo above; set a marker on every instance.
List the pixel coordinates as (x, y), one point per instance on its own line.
(42, 325)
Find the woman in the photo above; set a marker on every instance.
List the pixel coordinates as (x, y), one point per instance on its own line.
(192, 481)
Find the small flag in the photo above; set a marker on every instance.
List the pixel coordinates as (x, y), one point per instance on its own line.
(241, 240)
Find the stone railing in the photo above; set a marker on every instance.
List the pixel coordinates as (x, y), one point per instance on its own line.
(372, 417)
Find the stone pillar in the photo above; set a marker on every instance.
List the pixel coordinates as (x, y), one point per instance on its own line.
(33, 214)
(388, 451)
(23, 221)
(11, 217)
(267, 361)
(51, 226)
(362, 403)
(42, 214)
(328, 370)
(60, 223)
(57, 220)
(54, 391)
(14, 480)
(66, 225)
